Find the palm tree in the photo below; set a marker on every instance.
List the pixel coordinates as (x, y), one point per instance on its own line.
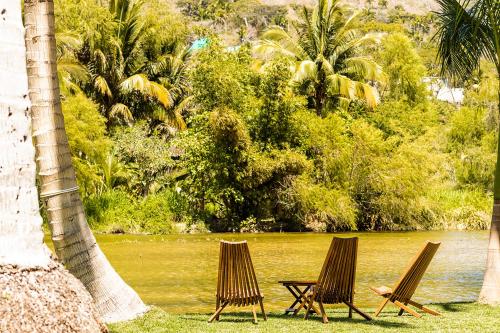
(469, 31)
(73, 241)
(29, 278)
(117, 67)
(170, 70)
(325, 47)
(18, 202)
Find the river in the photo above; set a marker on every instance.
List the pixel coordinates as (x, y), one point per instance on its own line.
(178, 272)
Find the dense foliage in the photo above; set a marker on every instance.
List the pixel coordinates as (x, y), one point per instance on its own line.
(318, 120)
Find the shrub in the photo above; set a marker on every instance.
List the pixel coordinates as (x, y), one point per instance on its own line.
(118, 212)
(86, 130)
(323, 209)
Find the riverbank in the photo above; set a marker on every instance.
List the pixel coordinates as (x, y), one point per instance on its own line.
(456, 317)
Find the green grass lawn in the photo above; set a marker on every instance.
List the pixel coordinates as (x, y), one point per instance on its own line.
(457, 317)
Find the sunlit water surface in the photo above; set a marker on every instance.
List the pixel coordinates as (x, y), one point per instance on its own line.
(178, 273)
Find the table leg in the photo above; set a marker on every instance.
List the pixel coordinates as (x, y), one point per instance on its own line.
(297, 300)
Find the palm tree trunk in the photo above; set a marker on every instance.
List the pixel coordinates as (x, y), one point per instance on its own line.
(73, 241)
(34, 288)
(319, 101)
(320, 93)
(490, 292)
(21, 236)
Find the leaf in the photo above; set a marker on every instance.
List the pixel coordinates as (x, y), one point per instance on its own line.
(102, 86)
(122, 111)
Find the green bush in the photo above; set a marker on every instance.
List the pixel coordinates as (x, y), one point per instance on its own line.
(86, 130)
(323, 209)
(461, 209)
(118, 212)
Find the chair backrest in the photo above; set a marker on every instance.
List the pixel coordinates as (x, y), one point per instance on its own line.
(236, 282)
(405, 287)
(336, 280)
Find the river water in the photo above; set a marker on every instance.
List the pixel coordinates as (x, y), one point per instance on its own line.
(178, 272)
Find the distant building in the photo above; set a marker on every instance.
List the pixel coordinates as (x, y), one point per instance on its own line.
(442, 91)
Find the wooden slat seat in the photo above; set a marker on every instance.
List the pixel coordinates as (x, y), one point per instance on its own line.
(236, 280)
(382, 290)
(336, 281)
(404, 289)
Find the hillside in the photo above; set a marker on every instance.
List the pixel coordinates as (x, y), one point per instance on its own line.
(411, 6)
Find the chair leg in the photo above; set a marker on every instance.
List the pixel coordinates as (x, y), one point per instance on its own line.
(309, 306)
(315, 310)
(407, 309)
(361, 313)
(323, 313)
(400, 313)
(217, 303)
(217, 312)
(423, 308)
(254, 314)
(381, 306)
(262, 308)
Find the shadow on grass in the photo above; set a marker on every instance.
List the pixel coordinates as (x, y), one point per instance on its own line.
(333, 317)
(453, 306)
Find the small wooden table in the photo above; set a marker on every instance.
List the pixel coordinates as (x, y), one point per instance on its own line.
(300, 294)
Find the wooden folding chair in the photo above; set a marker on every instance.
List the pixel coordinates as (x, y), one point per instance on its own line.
(236, 281)
(336, 281)
(402, 292)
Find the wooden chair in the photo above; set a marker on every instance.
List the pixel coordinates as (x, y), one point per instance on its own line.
(402, 292)
(236, 281)
(336, 281)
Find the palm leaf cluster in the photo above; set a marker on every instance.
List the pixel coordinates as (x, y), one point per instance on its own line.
(127, 82)
(468, 31)
(326, 49)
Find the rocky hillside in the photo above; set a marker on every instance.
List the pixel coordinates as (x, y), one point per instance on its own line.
(411, 6)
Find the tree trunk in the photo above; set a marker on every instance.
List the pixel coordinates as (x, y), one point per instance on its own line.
(21, 236)
(37, 294)
(319, 99)
(490, 292)
(73, 241)
(319, 91)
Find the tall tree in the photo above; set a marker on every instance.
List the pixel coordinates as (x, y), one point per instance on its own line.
(120, 70)
(73, 241)
(469, 31)
(326, 48)
(34, 288)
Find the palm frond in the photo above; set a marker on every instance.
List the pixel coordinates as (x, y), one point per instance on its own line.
(101, 85)
(306, 70)
(464, 36)
(141, 83)
(121, 111)
(351, 89)
(364, 67)
(161, 94)
(74, 69)
(277, 41)
(67, 43)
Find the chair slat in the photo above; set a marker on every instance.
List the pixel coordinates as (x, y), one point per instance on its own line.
(407, 284)
(405, 287)
(236, 280)
(335, 283)
(336, 280)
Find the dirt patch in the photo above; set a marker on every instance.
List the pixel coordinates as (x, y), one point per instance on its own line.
(39, 300)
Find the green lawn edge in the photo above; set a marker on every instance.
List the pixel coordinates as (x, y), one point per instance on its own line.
(456, 317)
